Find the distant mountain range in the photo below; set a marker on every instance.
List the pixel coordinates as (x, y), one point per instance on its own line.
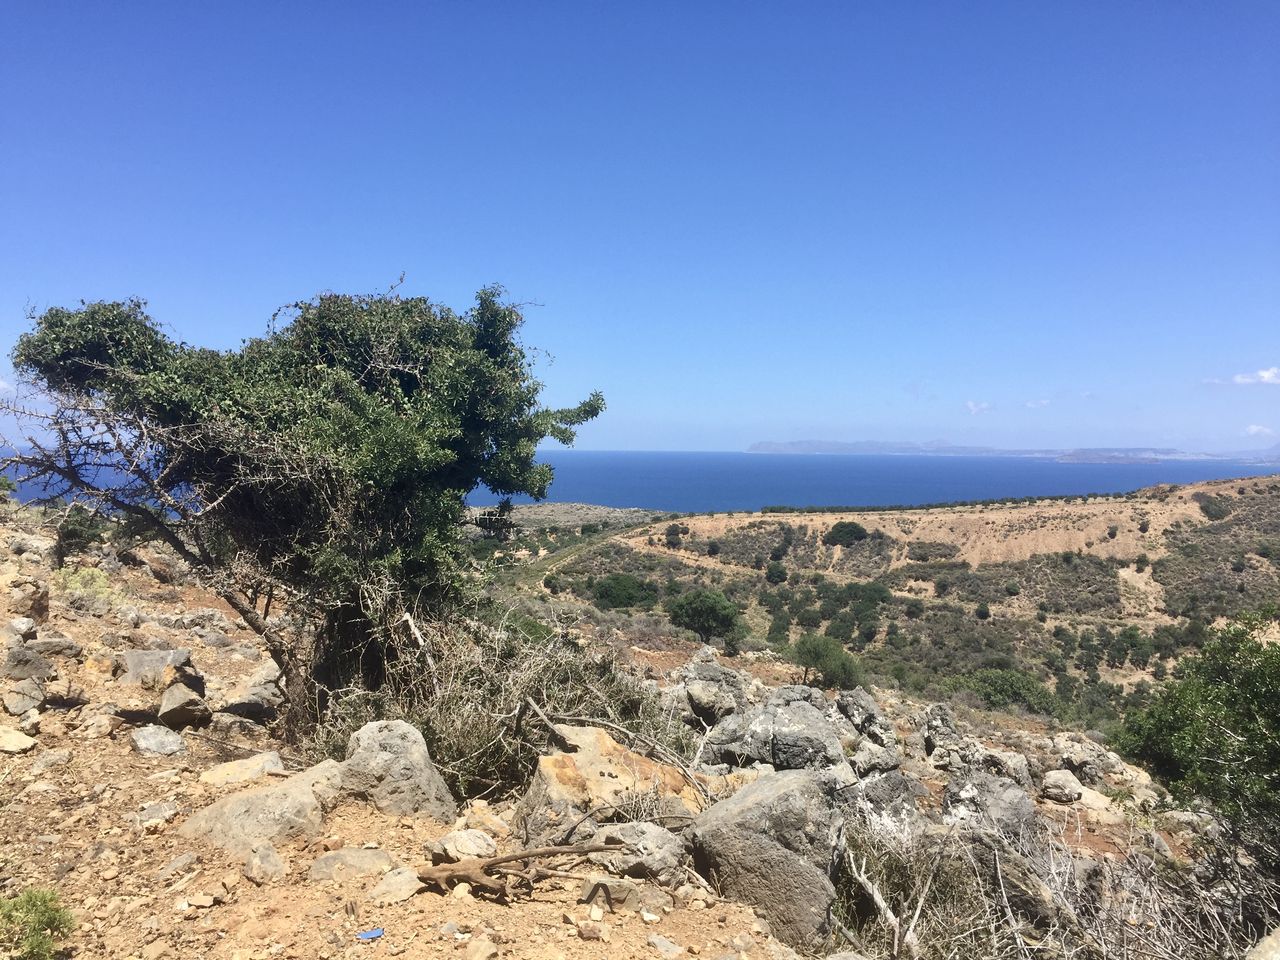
(939, 448)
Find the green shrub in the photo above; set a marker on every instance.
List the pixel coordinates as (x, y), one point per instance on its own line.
(844, 534)
(999, 689)
(827, 657)
(624, 590)
(776, 573)
(1215, 508)
(1214, 732)
(983, 612)
(32, 923)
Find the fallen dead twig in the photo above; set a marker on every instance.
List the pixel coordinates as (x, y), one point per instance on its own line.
(476, 870)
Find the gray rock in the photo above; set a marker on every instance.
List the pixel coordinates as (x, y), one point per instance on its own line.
(15, 741)
(890, 792)
(1061, 786)
(396, 886)
(23, 696)
(157, 741)
(667, 949)
(264, 865)
(22, 663)
(773, 845)
(652, 852)
(789, 736)
(239, 771)
(258, 696)
(181, 707)
(460, 844)
(22, 627)
(49, 760)
(388, 763)
(178, 865)
(155, 815)
(349, 862)
(54, 644)
(289, 810)
(616, 895)
(981, 799)
(157, 669)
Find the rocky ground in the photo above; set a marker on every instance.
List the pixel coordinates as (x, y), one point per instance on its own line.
(138, 778)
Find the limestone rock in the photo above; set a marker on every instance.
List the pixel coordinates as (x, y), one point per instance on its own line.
(788, 736)
(459, 844)
(22, 663)
(155, 740)
(388, 763)
(15, 741)
(258, 696)
(265, 865)
(652, 852)
(773, 845)
(396, 886)
(240, 771)
(181, 707)
(597, 773)
(981, 799)
(23, 696)
(157, 670)
(1061, 786)
(349, 862)
(281, 812)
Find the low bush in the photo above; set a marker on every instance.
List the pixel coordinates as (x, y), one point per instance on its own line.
(32, 923)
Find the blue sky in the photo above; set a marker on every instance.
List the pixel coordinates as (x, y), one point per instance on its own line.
(1008, 223)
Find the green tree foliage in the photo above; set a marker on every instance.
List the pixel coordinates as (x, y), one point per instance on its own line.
(845, 533)
(708, 613)
(775, 573)
(331, 456)
(624, 590)
(827, 658)
(1214, 731)
(32, 923)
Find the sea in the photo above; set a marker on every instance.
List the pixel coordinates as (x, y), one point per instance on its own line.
(682, 482)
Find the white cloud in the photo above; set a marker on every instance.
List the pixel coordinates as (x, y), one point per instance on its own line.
(1036, 404)
(1269, 375)
(976, 407)
(1258, 430)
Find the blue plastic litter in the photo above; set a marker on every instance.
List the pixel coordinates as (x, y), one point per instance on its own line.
(373, 934)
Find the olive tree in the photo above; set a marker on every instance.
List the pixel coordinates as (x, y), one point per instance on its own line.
(327, 462)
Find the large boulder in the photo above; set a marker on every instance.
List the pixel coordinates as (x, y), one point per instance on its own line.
(595, 777)
(23, 696)
(709, 690)
(1061, 786)
(388, 764)
(787, 735)
(157, 670)
(984, 800)
(156, 741)
(877, 750)
(773, 844)
(289, 810)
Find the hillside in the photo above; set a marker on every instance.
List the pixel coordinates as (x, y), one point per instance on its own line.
(1092, 597)
(142, 779)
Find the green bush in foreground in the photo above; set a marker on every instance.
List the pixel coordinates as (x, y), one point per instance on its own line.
(1214, 732)
(32, 923)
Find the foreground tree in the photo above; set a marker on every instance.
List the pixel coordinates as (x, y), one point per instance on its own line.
(326, 462)
(1214, 733)
(708, 613)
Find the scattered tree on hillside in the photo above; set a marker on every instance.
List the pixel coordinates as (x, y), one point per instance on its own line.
(327, 461)
(844, 534)
(833, 665)
(708, 613)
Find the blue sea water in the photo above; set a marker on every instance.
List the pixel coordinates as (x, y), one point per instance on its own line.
(702, 482)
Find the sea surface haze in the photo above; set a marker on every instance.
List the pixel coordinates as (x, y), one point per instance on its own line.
(701, 482)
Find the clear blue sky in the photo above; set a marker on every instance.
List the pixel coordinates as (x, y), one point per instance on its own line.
(1009, 223)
